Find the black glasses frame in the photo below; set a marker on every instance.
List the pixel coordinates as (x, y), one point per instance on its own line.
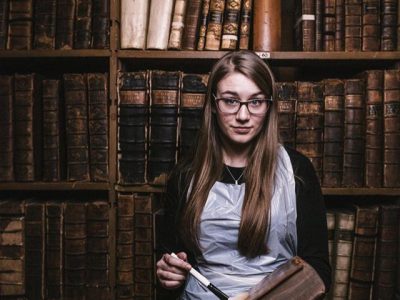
(245, 103)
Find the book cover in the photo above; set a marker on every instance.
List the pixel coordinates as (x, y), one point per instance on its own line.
(159, 24)
(177, 25)
(45, 24)
(214, 25)
(267, 25)
(352, 25)
(328, 25)
(134, 19)
(65, 24)
(20, 27)
(388, 32)
(371, 25)
(245, 24)
(202, 32)
(4, 4)
(83, 24)
(191, 24)
(286, 95)
(101, 24)
(305, 25)
(230, 27)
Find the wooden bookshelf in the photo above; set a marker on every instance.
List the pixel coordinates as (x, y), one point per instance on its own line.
(54, 53)
(55, 186)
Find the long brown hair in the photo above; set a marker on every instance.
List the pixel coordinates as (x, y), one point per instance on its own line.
(207, 165)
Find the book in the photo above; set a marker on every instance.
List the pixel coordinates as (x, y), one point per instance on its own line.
(134, 18)
(177, 25)
(159, 24)
(329, 25)
(214, 25)
(20, 16)
(83, 24)
(101, 24)
(319, 23)
(305, 25)
(65, 24)
(245, 24)
(191, 24)
(388, 32)
(371, 25)
(339, 29)
(267, 25)
(286, 95)
(3, 23)
(230, 26)
(45, 24)
(352, 25)
(330, 222)
(202, 32)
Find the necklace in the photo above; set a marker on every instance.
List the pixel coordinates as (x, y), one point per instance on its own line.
(233, 177)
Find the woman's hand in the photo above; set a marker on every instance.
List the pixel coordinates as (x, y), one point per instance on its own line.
(171, 271)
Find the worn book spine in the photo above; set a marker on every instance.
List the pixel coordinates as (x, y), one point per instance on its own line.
(4, 4)
(329, 25)
(333, 133)
(352, 25)
(65, 24)
(177, 25)
(389, 25)
(98, 125)
(6, 128)
(286, 95)
(305, 25)
(45, 24)
(267, 25)
(214, 25)
(133, 96)
(374, 128)
(371, 25)
(76, 120)
(194, 88)
(159, 24)
(245, 28)
(134, 19)
(101, 24)
(319, 23)
(391, 128)
(398, 48)
(339, 29)
(163, 123)
(205, 9)
(354, 133)
(83, 24)
(191, 24)
(20, 18)
(330, 222)
(230, 27)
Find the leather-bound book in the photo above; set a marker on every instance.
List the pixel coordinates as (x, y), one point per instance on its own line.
(45, 25)
(286, 95)
(389, 25)
(386, 259)
(319, 23)
(83, 24)
(194, 88)
(329, 25)
(98, 125)
(354, 133)
(6, 128)
(35, 249)
(205, 10)
(65, 24)
(371, 25)
(27, 128)
(159, 24)
(132, 126)
(101, 24)
(362, 264)
(54, 250)
(124, 244)
(20, 25)
(245, 24)
(12, 248)
(53, 138)
(214, 25)
(3, 23)
(352, 25)
(339, 32)
(98, 251)
(75, 250)
(230, 27)
(267, 25)
(330, 223)
(305, 25)
(333, 133)
(191, 24)
(76, 125)
(374, 128)
(391, 128)
(177, 25)
(134, 18)
(310, 122)
(163, 123)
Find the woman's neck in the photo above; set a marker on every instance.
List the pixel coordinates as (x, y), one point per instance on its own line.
(235, 157)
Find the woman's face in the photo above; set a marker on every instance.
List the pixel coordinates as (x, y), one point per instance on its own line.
(242, 127)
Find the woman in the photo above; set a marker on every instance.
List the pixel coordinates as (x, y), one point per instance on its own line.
(243, 205)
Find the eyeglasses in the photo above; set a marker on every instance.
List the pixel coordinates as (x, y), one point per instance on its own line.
(232, 105)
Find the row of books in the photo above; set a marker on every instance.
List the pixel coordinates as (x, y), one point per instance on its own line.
(364, 245)
(346, 25)
(55, 24)
(54, 129)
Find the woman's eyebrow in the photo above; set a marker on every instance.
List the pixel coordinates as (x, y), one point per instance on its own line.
(233, 93)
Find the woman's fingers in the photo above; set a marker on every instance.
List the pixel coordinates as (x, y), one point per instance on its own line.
(172, 271)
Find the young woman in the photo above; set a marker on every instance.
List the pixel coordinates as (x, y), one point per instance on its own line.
(243, 204)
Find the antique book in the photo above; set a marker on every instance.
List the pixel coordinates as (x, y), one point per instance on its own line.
(371, 25)
(191, 24)
(245, 24)
(388, 25)
(83, 24)
(391, 128)
(386, 252)
(177, 25)
(124, 244)
(45, 24)
(305, 25)
(354, 133)
(12, 248)
(20, 18)
(3, 23)
(214, 25)
(310, 122)
(329, 25)
(65, 24)
(163, 123)
(286, 95)
(374, 128)
(339, 29)
(362, 263)
(159, 24)
(333, 133)
(6, 128)
(53, 137)
(27, 128)
(133, 103)
(330, 223)
(134, 19)
(98, 125)
(319, 23)
(352, 25)
(76, 120)
(230, 27)
(267, 25)
(193, 95)
(205, 9)
(101, 24)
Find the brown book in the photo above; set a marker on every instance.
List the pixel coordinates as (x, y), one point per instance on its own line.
(371, 25)
(20, 25)
(319, 23)
(76, 119)
(192, 18)
(286, 95)
(177, 25)
(3, 23)
(214, 25)
(6, 128)
(388, 32)
(339, 30)
(98, 125)
(330, 222)
(267, 25)
(329, 25)
(83, 24)
(305, 25)
(352, 25)
(354, 133)
(45, 24)
(101, 24)
(374, 128)
(333, 133)
(205, 9)
(230, 27)
(245, 24)
(65, 24)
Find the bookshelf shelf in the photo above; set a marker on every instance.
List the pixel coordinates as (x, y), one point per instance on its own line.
(54, 186)
(361, 191)
(146, 188)
(54, 53)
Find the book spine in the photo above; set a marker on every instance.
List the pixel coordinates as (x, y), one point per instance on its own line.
(304, 26)
(287, 99)
(214, 25)
(352, 25)
(267, 25)
(65, 24)
(329, 25)
(339, 31)
(205, 9)
(134, 17)
(101, 24)
(330, 222)
(45, 24)
(245, 24)
(371, 25)
(230, 28)
(20, 25)
(319, 23)
(159, 24)
(3, 23)
(389, 25)
(191, 24)
(177, 25)
(83, 24)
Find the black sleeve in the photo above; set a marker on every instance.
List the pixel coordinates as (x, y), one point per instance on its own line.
(312, 233)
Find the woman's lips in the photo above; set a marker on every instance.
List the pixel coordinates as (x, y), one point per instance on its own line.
(241, 129)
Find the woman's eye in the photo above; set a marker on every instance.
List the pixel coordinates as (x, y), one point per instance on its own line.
(231, 101)
(255, 102)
